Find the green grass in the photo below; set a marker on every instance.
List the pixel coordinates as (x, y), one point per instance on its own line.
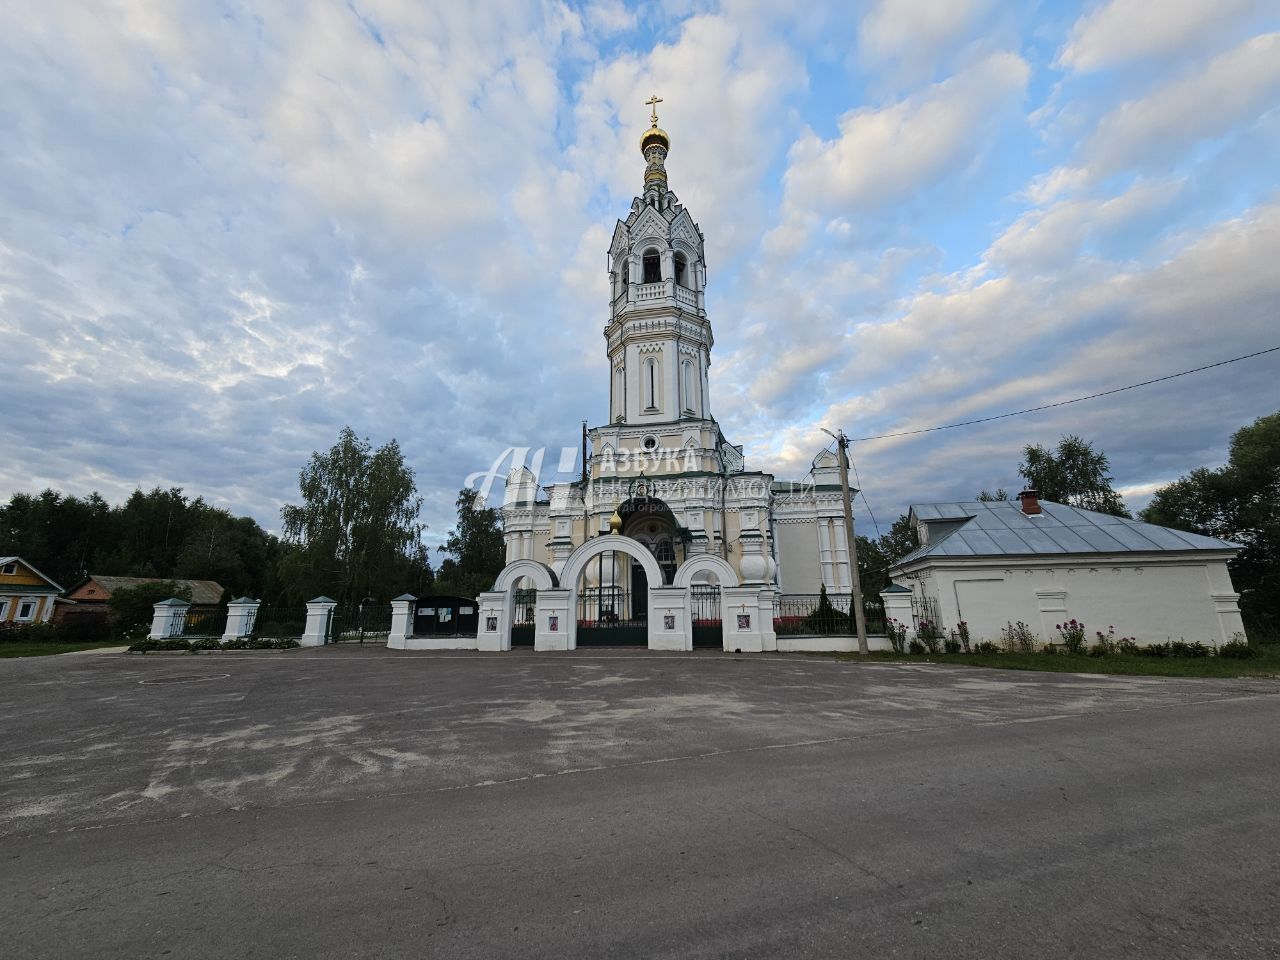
(1268, 665)
(47, 649)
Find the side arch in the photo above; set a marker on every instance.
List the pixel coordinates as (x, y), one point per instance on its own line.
(705, 562)
(543, 577)
(578, 560)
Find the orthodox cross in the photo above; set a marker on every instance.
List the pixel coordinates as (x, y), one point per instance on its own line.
(652, 103)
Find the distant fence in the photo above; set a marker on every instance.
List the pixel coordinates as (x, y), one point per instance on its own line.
(818, 615)
(194, 622)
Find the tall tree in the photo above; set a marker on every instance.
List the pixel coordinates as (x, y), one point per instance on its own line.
(356, 534)
(1239, 501)
(1074, 474)
(875, 557)
(476, 552)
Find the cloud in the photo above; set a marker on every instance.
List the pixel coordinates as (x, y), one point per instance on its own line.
(884, 155)
(910, 36)
(1126, 31)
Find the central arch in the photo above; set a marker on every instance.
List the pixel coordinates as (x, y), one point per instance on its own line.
(577, 562)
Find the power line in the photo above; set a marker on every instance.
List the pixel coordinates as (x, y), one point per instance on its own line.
(1063, 403)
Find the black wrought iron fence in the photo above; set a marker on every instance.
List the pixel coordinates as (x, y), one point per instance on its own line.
(276, 623)
(708, 624)
(824, 615)
(925, 610)
(200, 623)
(526, 602)
(355, 624)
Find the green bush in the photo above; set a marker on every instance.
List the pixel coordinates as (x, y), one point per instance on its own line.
(1158, 650)
(1128, 646)
(916, 647)
(986, 646)
(1238, 650)
(174, 643)
(951, 645)
(144, 645)
(1181, 648)
(1071, 634)
(284, 643)
(236, 643)
(206, 643)
(1019, 638)
(259, 643)
(28, 633)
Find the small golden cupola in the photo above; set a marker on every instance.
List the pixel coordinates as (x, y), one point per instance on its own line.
(654, 145)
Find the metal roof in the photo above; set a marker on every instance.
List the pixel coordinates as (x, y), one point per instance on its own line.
(1000, 529)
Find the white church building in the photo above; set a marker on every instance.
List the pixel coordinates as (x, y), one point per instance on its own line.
(667, 539)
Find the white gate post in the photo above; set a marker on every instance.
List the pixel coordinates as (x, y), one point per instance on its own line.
(318, 612)
(167, 620)
(241, 615)
(495, 613)
(401, 621)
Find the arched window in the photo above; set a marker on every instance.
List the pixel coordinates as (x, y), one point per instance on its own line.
(652, 267)
(624, 267)
(651, 383)
(682, 270)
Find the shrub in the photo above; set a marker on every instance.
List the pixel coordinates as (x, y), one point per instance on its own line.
(173, 643)
(1158, 650)
(206, 643)
(897, 632)
(1181, 648)
(28, 633)
(929, 634)
(259, 643)
(1238, 650)
(1019, 638)
(951, 644)
(236, 643)
(915, 646)
(1049, 650)
(1071, 634)
(1128, 646)
(986, 646)
(284, 643)
(963, 629)
(143, 645)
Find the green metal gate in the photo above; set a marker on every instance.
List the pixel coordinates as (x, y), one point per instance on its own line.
(355, 624)
(708, 626)
(526, 602)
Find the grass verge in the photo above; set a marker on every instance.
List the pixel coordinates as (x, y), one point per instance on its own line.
(48, 649)
(1267, 665)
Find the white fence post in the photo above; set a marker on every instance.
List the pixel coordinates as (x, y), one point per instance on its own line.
(401, 621)
(168, 618)
(241, 615)
(317, 629)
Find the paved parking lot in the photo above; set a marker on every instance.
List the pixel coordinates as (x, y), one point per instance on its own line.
(349, 802)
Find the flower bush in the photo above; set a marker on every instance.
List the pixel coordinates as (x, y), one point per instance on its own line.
(897, 632)
(1071, 635)
(1019, 638)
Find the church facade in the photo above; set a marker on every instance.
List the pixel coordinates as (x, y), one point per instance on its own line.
(667, 531)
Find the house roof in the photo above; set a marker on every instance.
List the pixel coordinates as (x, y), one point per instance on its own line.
(26, 563)
(203, 592)
(1000, 529)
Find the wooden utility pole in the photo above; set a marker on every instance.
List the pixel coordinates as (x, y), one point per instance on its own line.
(859, 615)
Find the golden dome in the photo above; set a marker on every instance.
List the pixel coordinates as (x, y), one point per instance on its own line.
(655, 134)
(615, 522)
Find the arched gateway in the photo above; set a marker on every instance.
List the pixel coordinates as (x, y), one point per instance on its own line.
(608, 579)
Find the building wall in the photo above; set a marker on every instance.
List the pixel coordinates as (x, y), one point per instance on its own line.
(1152, 600)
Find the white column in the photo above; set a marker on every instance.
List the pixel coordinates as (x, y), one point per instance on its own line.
(317, 629)
(167, 620)
(670, 621)
(554, 627)
(1227, 607)
(897, 606)
(241, 615)
(743, 631)
(401, 621)
(493, 631)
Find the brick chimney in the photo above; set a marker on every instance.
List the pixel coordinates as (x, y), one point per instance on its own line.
(1030, 501)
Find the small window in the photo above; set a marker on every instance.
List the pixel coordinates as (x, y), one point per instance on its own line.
(9, 569)
(650, 443)
(652, 268)
(26, 610)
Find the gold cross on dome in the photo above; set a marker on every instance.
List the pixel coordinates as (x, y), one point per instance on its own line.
(652, 103)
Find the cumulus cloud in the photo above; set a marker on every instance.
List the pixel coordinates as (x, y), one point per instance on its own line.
(910, 36)
(1125, 31)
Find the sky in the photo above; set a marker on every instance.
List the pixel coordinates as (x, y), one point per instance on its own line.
(227, 230)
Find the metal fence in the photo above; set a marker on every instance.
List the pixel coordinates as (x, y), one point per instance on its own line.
(526, 602)
(275, 623)
(824, 615)
(355, 624)
(925, 609)
(199, 623)
(708, 624)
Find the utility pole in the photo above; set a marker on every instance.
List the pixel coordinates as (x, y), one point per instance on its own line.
(859, 615)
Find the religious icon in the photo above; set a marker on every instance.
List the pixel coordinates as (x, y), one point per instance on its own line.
(491, 624)
(744, 621)
(553, 624)
(668, 621)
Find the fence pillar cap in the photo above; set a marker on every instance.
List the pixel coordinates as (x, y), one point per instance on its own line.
(173, 602)
(243, 600)
(407, 597)
(322, 599)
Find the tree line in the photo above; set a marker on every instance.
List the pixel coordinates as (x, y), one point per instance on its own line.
(355, 534)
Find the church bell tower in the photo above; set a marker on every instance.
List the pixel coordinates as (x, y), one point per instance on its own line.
(658, 336)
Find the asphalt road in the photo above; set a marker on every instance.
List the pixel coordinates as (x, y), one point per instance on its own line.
(361, 803)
